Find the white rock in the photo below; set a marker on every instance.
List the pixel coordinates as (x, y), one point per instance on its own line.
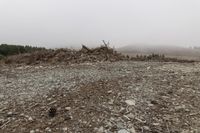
(137, 88)
(9, 113)
(156, 124)
(150, 105)
(32, 131)
(146, 128)
(123, 131)
(132, 130)
(49, 99)
(100, 130)
(110, 91)
(22, 114)
(37, 130)
(30, 119)
(148, 68)
(111, 101)
(130, 102)
(67, 108)
(180, 107)
(120, 125)
(65, 129)
(48, 129)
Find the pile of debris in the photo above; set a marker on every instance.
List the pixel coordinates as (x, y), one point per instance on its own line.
(99, 54)
(85, 54)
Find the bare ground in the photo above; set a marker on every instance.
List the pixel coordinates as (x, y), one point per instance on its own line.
(121, 97)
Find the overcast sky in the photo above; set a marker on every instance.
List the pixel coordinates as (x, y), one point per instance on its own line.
(56, 23)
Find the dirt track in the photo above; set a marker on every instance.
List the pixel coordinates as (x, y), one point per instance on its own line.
(123, 97)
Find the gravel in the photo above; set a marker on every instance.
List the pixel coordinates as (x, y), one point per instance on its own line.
(29, 81)
(123, 96)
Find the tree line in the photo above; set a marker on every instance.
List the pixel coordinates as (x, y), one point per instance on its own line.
(6, 50)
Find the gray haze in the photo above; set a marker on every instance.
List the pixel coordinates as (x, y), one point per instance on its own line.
(58, 23)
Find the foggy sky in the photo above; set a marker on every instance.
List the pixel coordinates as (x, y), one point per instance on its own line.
(60, 23)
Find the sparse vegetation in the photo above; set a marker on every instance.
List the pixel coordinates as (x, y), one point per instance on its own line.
(159, 57)
(150, 57)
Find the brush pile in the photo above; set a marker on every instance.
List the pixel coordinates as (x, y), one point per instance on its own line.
(85, 54)
(68, 56)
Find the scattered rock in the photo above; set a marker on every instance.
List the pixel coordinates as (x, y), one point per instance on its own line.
(148, 68)
(83, 91)
(146, 128)
(48, 129)
(130, 115)
(120, 125)
(10, 114)
(156, 124)
(132, 130)
(65, 129)
(37, 130)
(150, 105)
(123, 131)
(179, 108)
(109, 92)
(111, 102)
(30, 119)
(130, 102)
(67, 108)
(100, 130)
(32, 131)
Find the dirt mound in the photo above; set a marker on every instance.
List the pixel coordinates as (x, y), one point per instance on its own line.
(102, 53)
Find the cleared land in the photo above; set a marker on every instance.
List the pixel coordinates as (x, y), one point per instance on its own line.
(123, 97)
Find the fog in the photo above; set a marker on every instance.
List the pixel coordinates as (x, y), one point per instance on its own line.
(70, 23)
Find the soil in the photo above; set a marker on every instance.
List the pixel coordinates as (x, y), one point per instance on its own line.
(102, 97)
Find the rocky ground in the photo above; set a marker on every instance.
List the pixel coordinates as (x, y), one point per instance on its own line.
(119, 97)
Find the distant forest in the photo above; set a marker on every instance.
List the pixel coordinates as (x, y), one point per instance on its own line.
(6, 50)
(197, 48)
